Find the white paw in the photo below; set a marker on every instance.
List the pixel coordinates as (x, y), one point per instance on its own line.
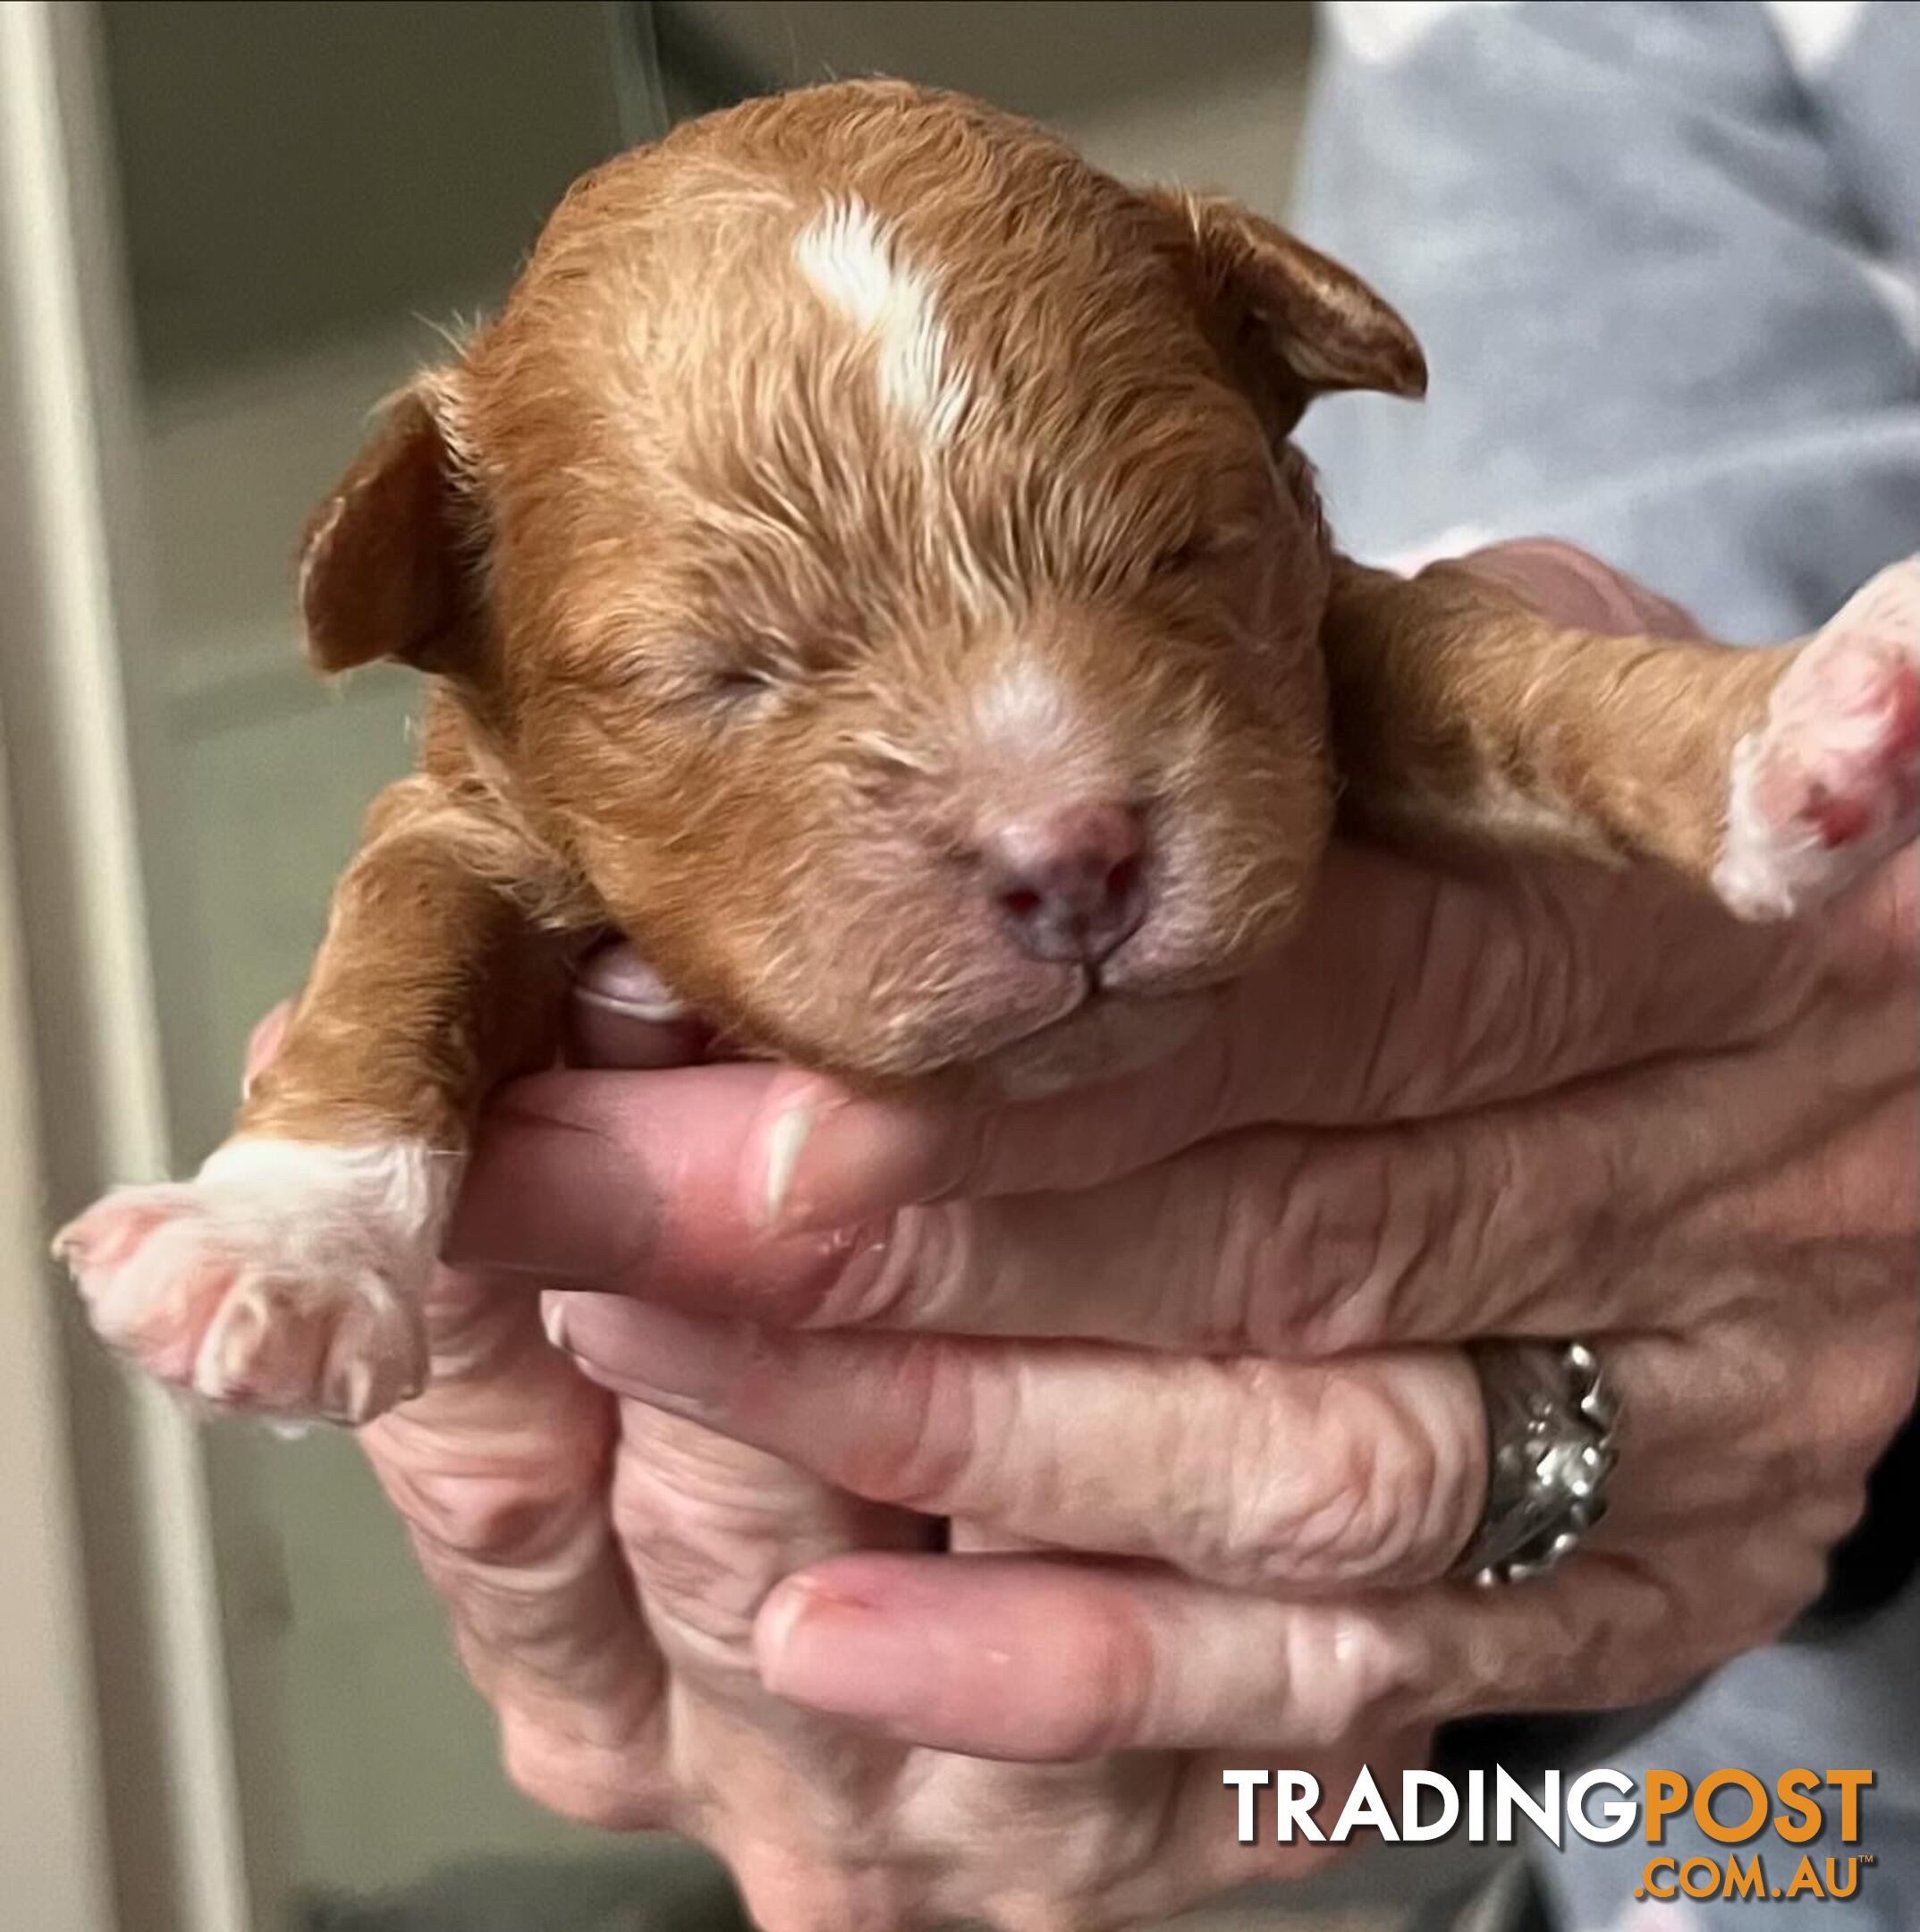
(284, 1280)
(1830, 784)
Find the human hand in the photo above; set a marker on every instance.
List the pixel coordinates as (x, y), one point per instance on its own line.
(602, 1562)
(541, 1509)
(1732, 1221)
(1675, 1207)
(1729, 1204)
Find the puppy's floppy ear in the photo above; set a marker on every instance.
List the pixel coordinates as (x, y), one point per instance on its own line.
(388, 567)
(1292, 324)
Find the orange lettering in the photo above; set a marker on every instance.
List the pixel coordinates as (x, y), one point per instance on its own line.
(1666, 1793)
(1850, 1785)
(1795, 1788)
(1756, 1806)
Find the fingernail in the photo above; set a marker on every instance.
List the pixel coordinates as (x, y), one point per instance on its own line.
(786, 1140)
(684, 1363)
(788, 1603)
(553, 1319)
(619, 979)
(825, 1160)
(818, 1646)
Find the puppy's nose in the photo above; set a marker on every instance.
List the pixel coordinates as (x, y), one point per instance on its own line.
(1069, 885)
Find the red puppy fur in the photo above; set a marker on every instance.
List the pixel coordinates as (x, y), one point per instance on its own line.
(866, 564)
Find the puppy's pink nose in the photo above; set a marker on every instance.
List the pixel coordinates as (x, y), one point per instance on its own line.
(1071, 885)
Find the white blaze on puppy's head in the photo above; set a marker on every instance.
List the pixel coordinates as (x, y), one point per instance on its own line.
(1023, 709)
(860, 271)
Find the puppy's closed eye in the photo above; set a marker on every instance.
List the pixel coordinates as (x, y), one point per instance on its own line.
(1175, 559)
(1224, 537)
(720, 678)
(735, 683)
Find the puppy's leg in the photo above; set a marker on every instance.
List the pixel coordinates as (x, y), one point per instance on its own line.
(286, 1277)
(1774, 777)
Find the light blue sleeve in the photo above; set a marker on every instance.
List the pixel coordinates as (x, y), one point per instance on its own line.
(1663, 259)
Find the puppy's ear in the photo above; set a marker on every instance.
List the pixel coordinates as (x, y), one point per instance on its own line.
(388, 567)
(1292, 324)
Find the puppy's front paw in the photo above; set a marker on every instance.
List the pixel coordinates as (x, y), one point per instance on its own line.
(285, 1280)
(1831, 782)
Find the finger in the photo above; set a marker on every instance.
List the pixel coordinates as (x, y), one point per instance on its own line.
(622, 1014)
(591, 1170)
(1259, 1474)
(1575, 587)
(1758, 1419)
(1408, 993)
(1368, 1471)
(1152, 1834)
(1567, 1215)
(707, 1525)
(263, 1042)
(1032, 1659)
(776, 1174)
(499, 1471)
(707, 1528)
(596, 1178)
(1037, 1659)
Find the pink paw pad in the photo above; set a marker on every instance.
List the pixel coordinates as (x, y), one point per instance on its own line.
(1830, 784)
(285, 1282)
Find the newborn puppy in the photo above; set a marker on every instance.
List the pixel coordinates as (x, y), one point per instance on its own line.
(864, 565)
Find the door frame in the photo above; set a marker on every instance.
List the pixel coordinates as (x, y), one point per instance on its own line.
(113, 1690)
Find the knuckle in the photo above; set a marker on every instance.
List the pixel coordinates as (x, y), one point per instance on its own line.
(1308, 1247)
(1338, 1670)
(1853, 1396)
(1718, 1599)
(784, 1891)
(1355, 1484)
(941, 1454)
(705, 1559)
(474, 1517)
(972, 1152)
(707, 1528)
(1883, 1398)
(613, 1792)
(660, 1529)
(884, 1275)
(1332, 1247)
(927, 1272)
(1108, 1705)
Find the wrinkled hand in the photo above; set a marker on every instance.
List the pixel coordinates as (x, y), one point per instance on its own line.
(1201, 1324)
(602, 1562)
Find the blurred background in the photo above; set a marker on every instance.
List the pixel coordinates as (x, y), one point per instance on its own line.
(285, 201)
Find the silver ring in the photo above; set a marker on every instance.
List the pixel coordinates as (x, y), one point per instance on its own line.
(1550, 1421)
